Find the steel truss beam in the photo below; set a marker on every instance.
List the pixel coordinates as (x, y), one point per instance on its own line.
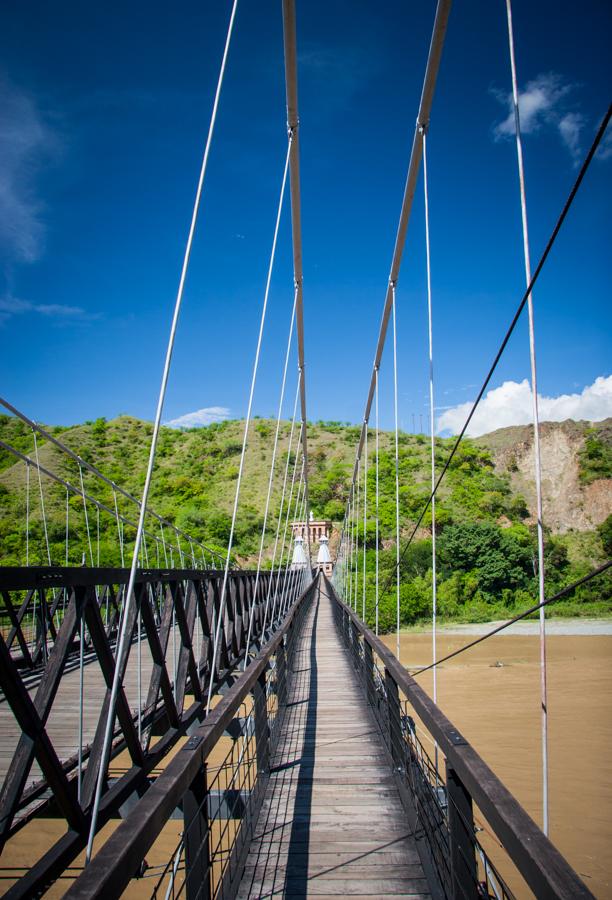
(163, 599)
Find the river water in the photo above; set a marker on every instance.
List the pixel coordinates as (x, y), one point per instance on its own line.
(492, 694)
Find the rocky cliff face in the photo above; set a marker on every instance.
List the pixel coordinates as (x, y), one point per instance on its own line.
(569, 500)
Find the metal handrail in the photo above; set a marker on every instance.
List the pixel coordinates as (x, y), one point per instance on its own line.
(542, 866)
(116, 863)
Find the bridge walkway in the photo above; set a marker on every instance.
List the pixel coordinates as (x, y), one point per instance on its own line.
(331, 823)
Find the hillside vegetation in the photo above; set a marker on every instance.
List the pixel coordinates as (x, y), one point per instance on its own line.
(484, 512)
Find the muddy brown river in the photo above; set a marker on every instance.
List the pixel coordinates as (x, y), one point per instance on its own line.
(491, 693)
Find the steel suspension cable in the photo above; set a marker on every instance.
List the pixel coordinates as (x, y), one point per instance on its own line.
(349, 551)
(82, 655)
(271, 477)
(365, 525)
(551, 241)
(377, 496)
(29, 462)
(356, 541)
(66, 549)
(283, 578)
(528, 612)
(280, 512)
(67, 526)
(86, 517)
(290, 51)
(42, 499)
(353, 552)
(35, 427)
(160, 405)
(345, 553)
(300, 516)
(28, 513)
(119, 532)
(282, 553)
(536, 423)
(163, 539)
(432, 430)
(291, 575)
(423, 117)
(248, 418)
(422, 123)
(397, 511)
(98, 536)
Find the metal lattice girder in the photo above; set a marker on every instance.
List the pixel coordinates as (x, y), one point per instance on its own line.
(163, 598)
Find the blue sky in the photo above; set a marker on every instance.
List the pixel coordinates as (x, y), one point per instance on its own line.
(105, 111)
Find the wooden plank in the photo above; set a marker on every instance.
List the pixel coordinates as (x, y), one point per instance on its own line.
(364, 847)
(341, 871)
(346, 887)
(331, 822)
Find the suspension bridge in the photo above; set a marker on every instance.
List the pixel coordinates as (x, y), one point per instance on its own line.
(179, 725)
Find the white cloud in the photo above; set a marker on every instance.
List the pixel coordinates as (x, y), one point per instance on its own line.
(543, 104)
(200, 417)
(510, 404)
(570, 127)
(604, 151)
(26, 144)
(13, 306)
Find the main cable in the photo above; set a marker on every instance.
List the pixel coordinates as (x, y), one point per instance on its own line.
(397, 505)
(270, 479)
(248, 420)
(434, 57)
(291, 89)
(271, 581)
(566, 208)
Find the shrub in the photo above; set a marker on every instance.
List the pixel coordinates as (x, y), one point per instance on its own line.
(595, 458)
(605, 533)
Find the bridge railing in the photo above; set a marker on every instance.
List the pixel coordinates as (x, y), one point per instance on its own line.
(440, 799)
(215, 783)
(34, 601)
(171, 626)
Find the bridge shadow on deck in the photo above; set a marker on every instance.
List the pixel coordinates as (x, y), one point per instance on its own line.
(280, 849)
(296, 873)
(331, 823)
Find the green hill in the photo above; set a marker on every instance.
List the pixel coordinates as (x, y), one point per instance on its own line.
(484, 510)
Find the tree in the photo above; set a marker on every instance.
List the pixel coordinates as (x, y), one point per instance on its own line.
(555, 555)
(415, 601)
(334, 510)
(218, 526)
(496, 558)
(417, 559)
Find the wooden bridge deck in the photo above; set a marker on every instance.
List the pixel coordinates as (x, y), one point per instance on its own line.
(332, 823)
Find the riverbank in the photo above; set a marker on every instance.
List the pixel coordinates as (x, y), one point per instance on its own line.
(567, 627)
